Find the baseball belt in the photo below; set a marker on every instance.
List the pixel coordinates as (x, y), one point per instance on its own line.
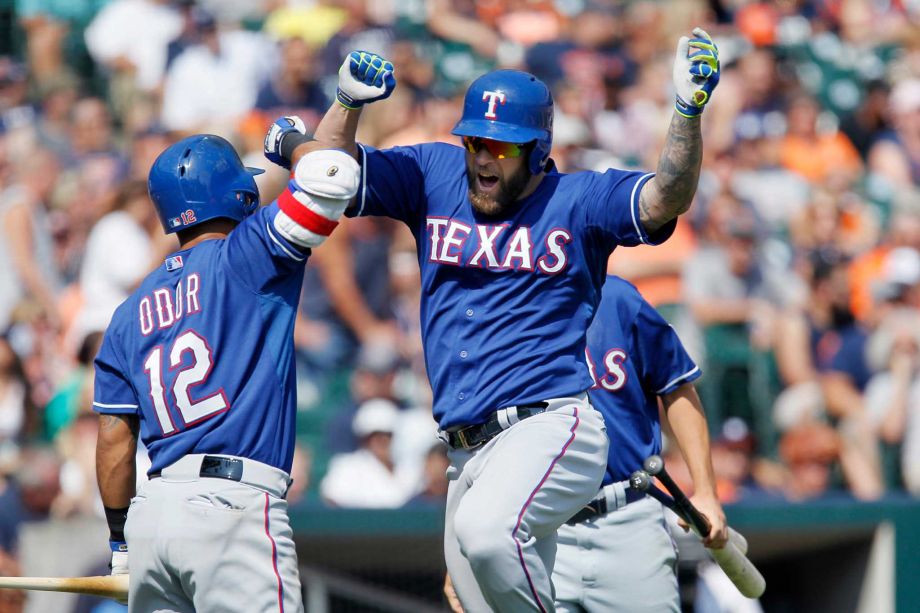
(473, 436)
(242, 470)
(611, 498)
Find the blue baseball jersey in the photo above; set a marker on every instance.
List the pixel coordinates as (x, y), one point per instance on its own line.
(203, 350)
(634, 356)
(506, 299)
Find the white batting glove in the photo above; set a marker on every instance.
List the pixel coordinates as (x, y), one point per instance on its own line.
(119, 558)
(696, 72)
(364, 77)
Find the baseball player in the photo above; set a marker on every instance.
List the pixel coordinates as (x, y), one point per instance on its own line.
(513, 256)
(199, 360)
(616, 554)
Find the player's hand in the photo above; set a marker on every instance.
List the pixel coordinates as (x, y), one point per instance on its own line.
(696, 72)
(282, 127)
(710, 507)
(364, 77)
(451, 594)
(119, 563)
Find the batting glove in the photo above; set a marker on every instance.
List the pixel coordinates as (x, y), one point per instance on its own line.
(283, 136)
(119, 557)
(364, 77)
(696, 72)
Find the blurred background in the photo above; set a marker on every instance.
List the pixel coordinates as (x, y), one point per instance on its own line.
(794, 280)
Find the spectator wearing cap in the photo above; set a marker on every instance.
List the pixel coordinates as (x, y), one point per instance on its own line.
(368, 477)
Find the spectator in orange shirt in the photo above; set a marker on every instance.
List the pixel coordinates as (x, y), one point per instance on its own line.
(816, 155)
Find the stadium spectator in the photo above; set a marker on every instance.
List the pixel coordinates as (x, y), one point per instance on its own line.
(295, 89)
(211, 84)
(368, 478)
(30, 271)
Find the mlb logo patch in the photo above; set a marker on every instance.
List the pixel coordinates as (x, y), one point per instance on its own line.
(174, 263)
(175, 222)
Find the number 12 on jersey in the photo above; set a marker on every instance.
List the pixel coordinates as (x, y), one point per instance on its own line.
(196, 373)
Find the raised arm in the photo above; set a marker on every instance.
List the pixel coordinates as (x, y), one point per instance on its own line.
(670, 192)
(363, 78)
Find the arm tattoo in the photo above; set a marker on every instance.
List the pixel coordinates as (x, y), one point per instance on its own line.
(107, 423)
(670, 192)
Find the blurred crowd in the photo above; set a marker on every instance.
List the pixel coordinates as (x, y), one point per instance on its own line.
(794, 280)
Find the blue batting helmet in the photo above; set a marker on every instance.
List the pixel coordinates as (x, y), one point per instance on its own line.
(510, 106)
(200, 178)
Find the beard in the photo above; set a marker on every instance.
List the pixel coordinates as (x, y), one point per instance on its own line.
(504, 197)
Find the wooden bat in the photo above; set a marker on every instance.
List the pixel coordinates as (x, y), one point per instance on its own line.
(732, 561)
(108, 586)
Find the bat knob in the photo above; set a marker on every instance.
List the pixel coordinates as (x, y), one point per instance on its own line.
(640, 481)
(653, 465)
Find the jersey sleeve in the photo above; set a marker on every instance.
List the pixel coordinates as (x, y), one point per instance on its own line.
(392, 182)
(258, 255)
(611, 201)
(113, 393)
(664, 364)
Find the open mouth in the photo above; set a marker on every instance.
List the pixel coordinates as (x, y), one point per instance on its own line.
(486, 183)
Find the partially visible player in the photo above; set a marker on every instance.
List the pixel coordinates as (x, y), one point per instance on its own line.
(513, 254)
(199, 360)
(616, 554)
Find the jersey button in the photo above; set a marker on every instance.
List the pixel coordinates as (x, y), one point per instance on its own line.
(463, 354)
(461, 395)
(469, 312)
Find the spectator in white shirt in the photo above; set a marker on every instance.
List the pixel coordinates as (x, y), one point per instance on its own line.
(216, 81)
(368, 478)
(131, 36)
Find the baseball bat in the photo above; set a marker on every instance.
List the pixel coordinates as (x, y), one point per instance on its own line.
(733, 562)
(642, 482)
(108, 586)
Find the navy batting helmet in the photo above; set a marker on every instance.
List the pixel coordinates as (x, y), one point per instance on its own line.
(200, 178)
(510, 106)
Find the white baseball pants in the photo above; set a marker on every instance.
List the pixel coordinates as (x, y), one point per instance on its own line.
(207, 545)
(507, 498)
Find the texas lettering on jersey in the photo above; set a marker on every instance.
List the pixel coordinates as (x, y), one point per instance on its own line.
(448, 239)
(614, 375)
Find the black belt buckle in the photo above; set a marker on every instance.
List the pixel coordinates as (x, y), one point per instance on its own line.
(593, 509)
(221, 468)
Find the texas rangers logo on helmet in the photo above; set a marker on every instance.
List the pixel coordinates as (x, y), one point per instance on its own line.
(494, 98)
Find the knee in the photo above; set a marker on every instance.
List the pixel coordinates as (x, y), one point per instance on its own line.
(482, 540)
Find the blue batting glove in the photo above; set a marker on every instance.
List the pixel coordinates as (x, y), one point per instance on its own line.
(282, 127)
(696, 72)
(364, 77)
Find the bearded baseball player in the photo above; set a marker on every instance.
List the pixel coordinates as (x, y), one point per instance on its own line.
(513, 256)
(199, 360)
(616, 554)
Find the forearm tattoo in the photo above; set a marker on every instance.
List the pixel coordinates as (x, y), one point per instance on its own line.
(676, 177)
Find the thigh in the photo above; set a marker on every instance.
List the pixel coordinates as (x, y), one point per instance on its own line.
(538, 473)
(153, 586)
(636, 560)
(458, 566)
(241, 556)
